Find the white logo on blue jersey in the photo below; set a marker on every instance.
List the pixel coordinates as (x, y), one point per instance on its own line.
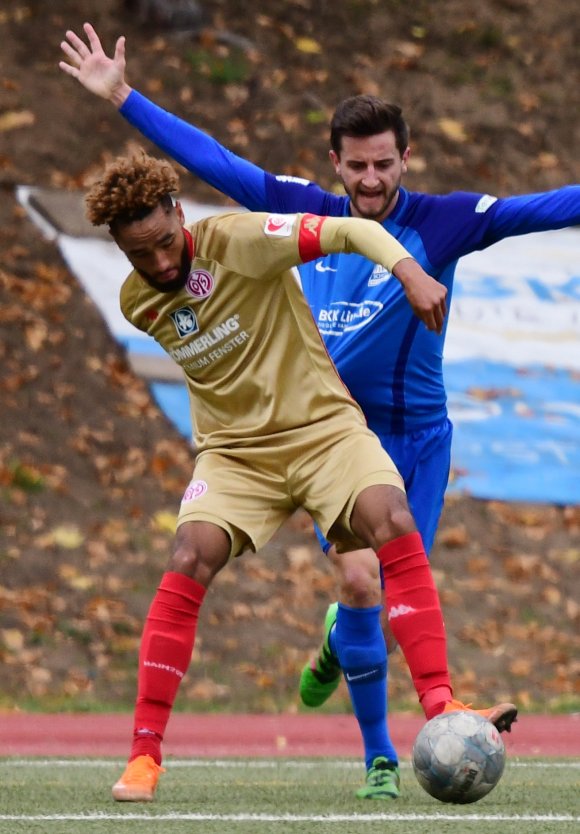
(286, 178)
(344, 316)
(484, 203)
(321, 268)
(379, 276)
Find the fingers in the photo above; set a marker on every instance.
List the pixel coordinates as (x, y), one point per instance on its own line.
(434, 316)
(78, 44)
(120, 50)
(441, 312)
(436, 321)
(92, 37)
(71, 53)
(68, 69)
(76, 49)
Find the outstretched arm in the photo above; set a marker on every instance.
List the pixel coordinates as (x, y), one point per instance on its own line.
(101, 75)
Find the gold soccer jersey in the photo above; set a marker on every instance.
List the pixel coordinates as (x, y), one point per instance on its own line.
(241, 329)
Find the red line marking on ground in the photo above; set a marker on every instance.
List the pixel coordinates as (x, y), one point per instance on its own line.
(220, 736)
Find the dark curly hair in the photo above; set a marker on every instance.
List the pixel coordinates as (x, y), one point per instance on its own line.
(129, 188)
(365, 115)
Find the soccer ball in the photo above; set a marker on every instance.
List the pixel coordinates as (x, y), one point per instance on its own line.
(458, 757)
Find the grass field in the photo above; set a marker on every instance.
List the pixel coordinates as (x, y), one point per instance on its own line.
(70, 796)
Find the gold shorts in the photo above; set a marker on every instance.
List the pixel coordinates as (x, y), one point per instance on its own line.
(250, 492)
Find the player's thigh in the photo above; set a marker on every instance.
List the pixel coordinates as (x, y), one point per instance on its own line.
(423, 459)
(333, 478)
(428, 481)
(246, 501)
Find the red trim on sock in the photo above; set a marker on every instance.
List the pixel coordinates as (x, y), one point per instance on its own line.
(147, 744)
(166, 647)
(182, 584)
(414, 613)
(401, 547)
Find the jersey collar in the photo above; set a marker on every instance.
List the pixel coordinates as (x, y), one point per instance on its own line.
(189, 243)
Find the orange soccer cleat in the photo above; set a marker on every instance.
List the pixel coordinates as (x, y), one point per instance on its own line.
(138, 782)
(502, 716)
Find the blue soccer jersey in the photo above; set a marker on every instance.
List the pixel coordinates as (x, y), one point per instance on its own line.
(387, 358)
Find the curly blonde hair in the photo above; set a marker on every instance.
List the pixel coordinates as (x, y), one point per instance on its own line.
(129, 188)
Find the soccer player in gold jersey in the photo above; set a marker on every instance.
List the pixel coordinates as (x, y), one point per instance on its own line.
(275, 428)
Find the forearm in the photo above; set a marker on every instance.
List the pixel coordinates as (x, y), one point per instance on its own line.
(542, 212)
(197, 151)
(362, 237)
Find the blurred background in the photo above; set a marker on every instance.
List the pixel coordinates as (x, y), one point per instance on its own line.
(92, 469)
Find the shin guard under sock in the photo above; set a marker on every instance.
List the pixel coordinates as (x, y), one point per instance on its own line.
(362, 654)
(164, 656)
(415, 617)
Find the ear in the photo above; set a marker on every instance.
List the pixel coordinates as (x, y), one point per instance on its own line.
(405, 159)
(179, 212)
(335, 159)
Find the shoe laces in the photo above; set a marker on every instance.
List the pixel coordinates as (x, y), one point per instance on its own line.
(381, 771)
(460, 704)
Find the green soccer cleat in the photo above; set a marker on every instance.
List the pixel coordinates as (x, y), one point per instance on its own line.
(383, 781)
(320, 678)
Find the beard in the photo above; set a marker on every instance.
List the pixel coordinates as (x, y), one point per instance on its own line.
(387, 201)
(174, 285)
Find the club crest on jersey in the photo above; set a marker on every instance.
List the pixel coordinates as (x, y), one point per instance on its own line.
(185, 322)
(379, 276)
(200, 283)
(279, 225)
(194, 491)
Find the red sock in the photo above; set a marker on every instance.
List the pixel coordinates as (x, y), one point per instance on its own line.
(415, 617)
(166, 647)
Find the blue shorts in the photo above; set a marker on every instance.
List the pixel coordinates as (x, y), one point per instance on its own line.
(423, 458)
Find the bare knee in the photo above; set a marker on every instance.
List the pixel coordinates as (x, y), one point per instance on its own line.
(380, 514)
(200, 551)
(358, 578)
(397, 522)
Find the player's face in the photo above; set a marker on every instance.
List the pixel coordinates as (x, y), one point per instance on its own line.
(371, 168)
(157, 249)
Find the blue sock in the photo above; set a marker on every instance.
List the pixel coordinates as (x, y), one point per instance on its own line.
(332, 641)
(360, 647)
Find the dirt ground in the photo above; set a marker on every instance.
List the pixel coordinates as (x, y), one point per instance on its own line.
(91, 472)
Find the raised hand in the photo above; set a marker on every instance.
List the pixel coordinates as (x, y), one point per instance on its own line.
(101, 75)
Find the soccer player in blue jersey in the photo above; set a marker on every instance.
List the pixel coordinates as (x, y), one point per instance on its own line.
(389, 360)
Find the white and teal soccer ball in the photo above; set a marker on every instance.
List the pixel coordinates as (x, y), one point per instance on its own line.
(458, 757)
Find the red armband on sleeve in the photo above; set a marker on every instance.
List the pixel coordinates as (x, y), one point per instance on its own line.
(309, 237)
